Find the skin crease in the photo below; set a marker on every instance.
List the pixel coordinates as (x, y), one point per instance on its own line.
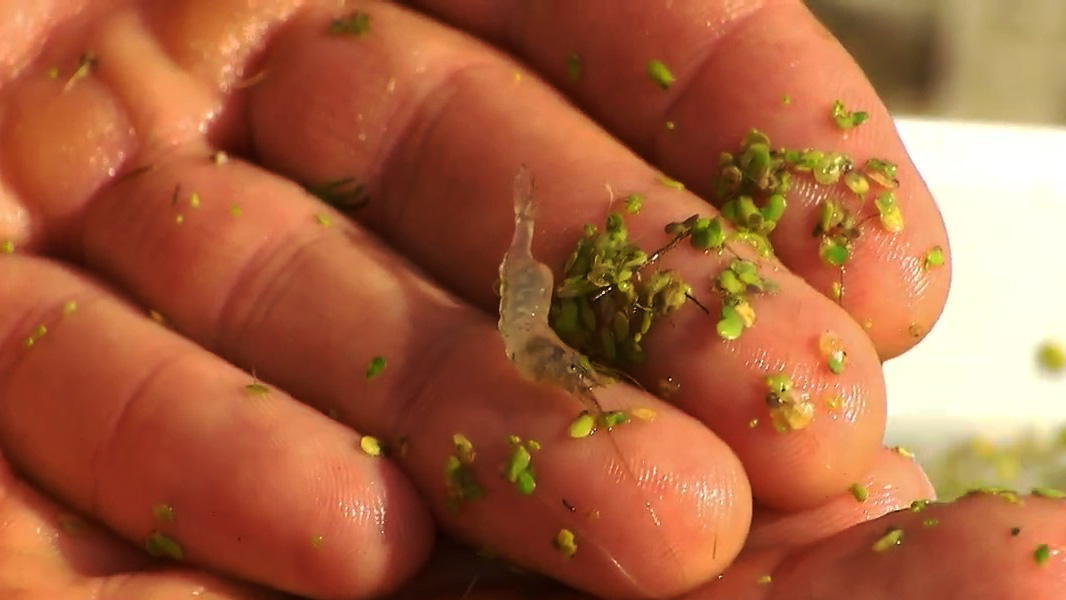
(108, 413)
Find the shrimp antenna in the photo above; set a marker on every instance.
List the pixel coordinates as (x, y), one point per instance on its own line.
(523, 191)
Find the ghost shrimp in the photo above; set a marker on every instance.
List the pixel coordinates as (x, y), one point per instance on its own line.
(530, 342)
(525, 300)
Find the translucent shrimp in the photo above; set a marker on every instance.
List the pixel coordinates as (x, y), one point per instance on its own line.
(525, 299)
(531, 344)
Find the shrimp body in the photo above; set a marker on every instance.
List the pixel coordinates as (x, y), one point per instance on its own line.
(525, 300)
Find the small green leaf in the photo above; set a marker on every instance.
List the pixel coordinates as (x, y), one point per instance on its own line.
(370, 445)
(633, 203)
(934, 257)
(1042, 554)
(859, 492)
(731, 324)
(573, 67)
(892, 538)
(583, 426)
(834, 252)
(660, 74)
(161, 545)
(356, 24)
(891, 217)
(846, 119)
(375, 367)
(526, 483)
(565, 543)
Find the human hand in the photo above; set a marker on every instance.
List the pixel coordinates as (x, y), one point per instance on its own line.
(114, 414)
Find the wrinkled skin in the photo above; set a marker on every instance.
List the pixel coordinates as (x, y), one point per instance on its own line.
(110, 412)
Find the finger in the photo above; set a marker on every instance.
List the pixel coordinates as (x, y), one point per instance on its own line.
(253, 289)
(257, 272)
(394, 109)
(249, 482)
(895, 482)
(733, 63)
(979, 547)
(47, 551)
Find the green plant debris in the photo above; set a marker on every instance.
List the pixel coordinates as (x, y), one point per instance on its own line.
(583, 426)
(375, 367)
(610, 295)
(786, 99)
(764, 580)
(846, 119)
(1042, 554)
(161, 545)
(257, 388)
(343, 194)
(565, 543)
(930, 522)
(834, 402)
(904, 452)
(734, 285)
(891, 217)
(163, 512)
(462, 485)
(357, 24)
(671, 183)
(316, 541)
(670, 125)
(934, 257)
(1048, 492)
(644, 414)
(633, 203)
(832, 350)
(71, 524)
(86, 63)
(35, 336)
(236, 210)
(7, 247)
(70, 307)
(324, 220)
(882, 172)
(614, 418)
(370, 445)
(1051, 357)
(1009, 495)
(789, 409)
(893, 537)
(573, 67)
(194, 200)
(660, 74)
(919, 505)
(219, 158)
(859, 492)
(858, 184)
(519, 466)
(464, 449)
